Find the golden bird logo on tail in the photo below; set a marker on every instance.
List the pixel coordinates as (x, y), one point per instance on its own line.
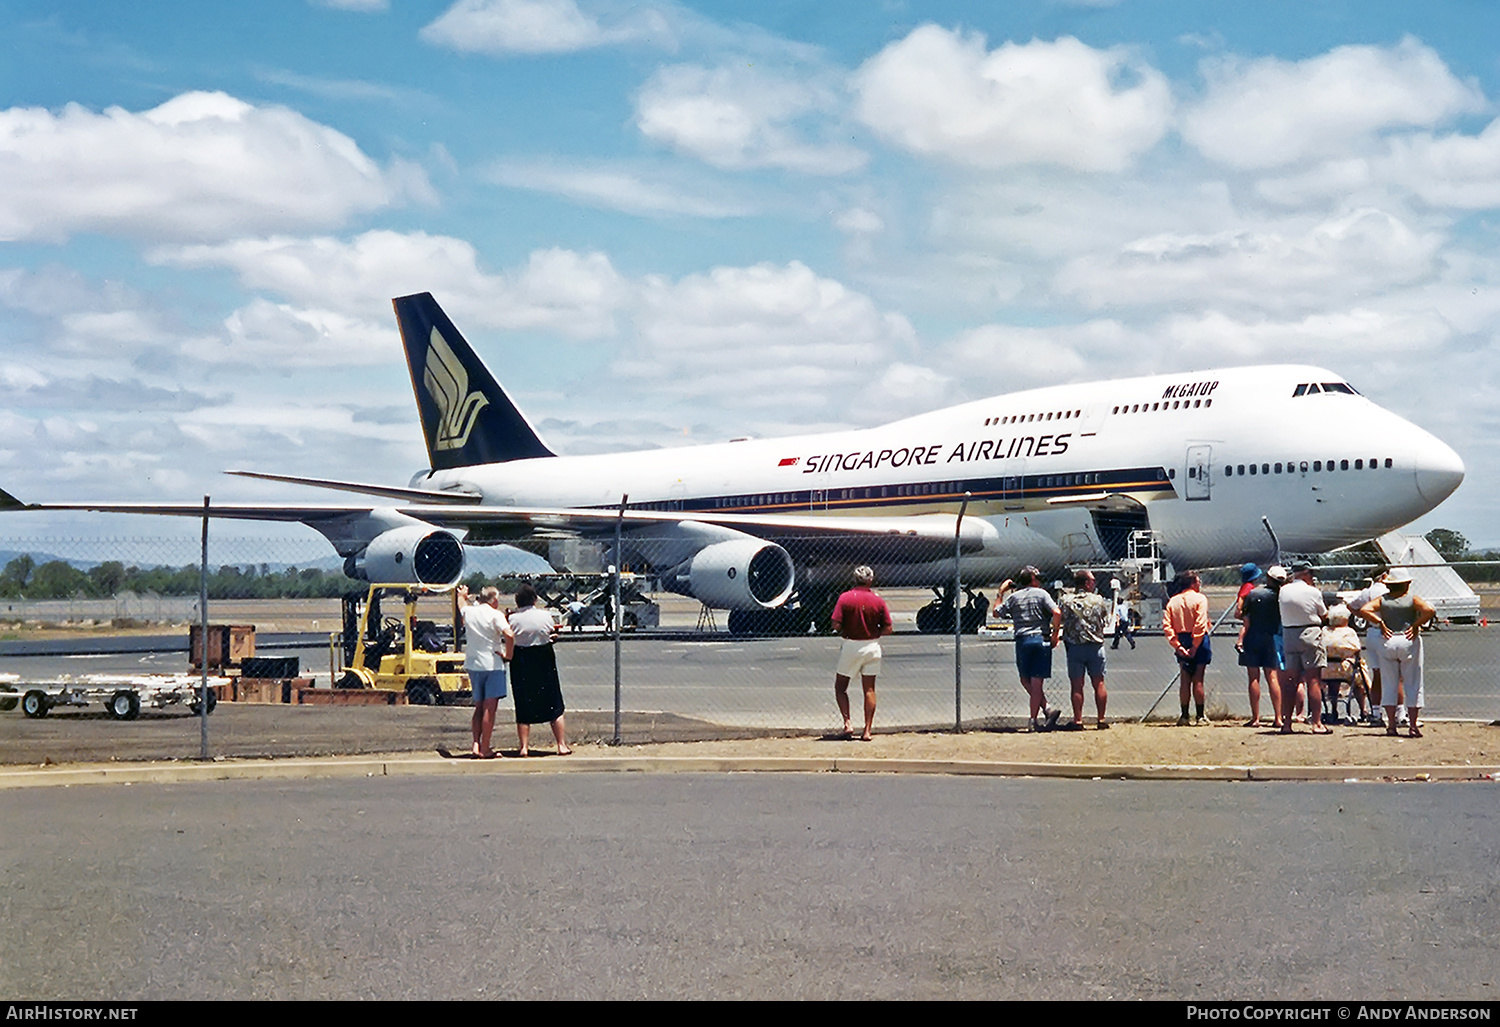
(447, 382)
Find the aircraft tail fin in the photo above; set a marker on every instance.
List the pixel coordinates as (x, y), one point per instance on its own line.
(467, 418)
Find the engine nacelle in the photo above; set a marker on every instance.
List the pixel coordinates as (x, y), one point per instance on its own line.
(415, 555)
(740, 574)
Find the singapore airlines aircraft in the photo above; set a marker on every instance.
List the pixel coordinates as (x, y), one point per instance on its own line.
(1221, 465)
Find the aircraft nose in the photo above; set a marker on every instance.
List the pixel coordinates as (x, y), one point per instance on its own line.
(1439, 472)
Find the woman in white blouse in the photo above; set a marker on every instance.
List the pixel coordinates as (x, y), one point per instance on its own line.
(533, 672)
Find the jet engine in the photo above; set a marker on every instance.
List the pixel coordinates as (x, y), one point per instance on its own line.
(740, 574)
(414, 555)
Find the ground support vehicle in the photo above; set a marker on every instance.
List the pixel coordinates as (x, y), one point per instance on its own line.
(122, 695)
(420, 657)
(586, 600)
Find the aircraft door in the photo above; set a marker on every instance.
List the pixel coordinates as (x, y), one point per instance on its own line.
(1199, 483)
(1013, 485)
(818, 494)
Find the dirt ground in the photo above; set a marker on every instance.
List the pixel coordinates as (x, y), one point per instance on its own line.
(259, 731)
(1445, 743)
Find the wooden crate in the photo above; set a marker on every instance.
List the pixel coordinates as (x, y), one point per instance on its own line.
(260, 690)
(228, 645)
(271, 690)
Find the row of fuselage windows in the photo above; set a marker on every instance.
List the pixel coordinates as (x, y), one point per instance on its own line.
(934, 488)
(1150, 408)
(1294, 467)
(946, 489)
(1051, 415)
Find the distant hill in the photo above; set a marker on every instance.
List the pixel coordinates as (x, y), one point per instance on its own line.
(7, 555)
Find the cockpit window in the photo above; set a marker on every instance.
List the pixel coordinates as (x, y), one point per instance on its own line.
(1313, 388)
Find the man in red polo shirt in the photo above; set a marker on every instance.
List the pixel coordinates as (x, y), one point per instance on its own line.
(861, 617)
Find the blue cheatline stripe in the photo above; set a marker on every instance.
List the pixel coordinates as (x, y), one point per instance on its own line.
(1005, 487)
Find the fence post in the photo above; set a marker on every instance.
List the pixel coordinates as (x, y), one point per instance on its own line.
(203, 640)
(618, 613)
(958, 619)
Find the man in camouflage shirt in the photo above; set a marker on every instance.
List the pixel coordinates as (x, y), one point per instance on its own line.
(1084, 615)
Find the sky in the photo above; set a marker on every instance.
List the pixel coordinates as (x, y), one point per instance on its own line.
(677, 223)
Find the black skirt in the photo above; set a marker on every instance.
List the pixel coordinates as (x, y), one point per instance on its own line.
(534, 684)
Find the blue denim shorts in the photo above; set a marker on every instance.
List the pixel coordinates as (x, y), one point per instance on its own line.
(1085, 658)
(487, 684)
(1033, 657)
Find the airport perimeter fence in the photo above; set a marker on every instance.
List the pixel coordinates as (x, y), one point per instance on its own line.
(683, 669)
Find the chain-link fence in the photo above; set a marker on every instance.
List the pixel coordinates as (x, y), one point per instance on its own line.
(710, 670)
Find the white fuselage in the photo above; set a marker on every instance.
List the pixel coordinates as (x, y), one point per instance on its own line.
(1209, 459)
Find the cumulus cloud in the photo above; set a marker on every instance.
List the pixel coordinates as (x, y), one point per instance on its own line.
(1456, 171)
(280, 335)
(1269, 112)
(616, 189)
(1005, 357)
(501, 27)
(226, 426)
(740, 116)
(905, 389)
(941, 93)
(858, 221)
(334, 282)
(772, 336)
(1271, 267)
(998, 358)
(200, 166)
(1347, 337)
(89, 322)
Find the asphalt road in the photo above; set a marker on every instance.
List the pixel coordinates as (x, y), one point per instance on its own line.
(749, 886)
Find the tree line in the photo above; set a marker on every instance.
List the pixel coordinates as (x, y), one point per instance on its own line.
(24, 578)
(1471, 565)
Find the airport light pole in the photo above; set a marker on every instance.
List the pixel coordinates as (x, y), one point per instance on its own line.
(958, 619)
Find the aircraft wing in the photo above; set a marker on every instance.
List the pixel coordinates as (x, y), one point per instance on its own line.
(304, 512)
(928, 537)
(903, 539)
(386, 491)
(888, 539)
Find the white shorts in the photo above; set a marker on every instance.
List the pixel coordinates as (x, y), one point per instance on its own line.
(859, 657)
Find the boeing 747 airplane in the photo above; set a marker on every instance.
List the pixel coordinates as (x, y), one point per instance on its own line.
(1222, 466)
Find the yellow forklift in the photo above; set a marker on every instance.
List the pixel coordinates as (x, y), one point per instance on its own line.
(421, 657)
